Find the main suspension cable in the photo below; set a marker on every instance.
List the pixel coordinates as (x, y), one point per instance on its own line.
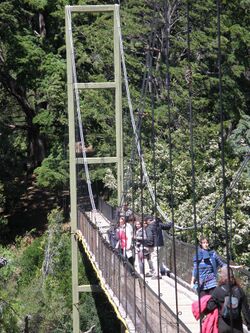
(139, 150)
(228, 193)
(191, 131)
(141, 110)
(221, 111)
(164, 215)
(151, 91)
(168, 87)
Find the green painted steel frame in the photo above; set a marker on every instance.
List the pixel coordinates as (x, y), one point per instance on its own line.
(118, 159)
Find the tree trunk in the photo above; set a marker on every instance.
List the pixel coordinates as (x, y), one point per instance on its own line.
(26, 324)
(36, 147)
(36, 142)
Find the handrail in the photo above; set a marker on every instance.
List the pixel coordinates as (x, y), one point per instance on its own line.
(128, 289)
(184, 253)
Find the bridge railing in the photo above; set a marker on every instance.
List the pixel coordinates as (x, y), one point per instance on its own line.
(184, 263)
(141, 304)
(107, 210)
(184, 253)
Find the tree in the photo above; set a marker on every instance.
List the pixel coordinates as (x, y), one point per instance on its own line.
(32, 73)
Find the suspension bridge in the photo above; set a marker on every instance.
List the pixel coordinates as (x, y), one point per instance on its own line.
(141, 304)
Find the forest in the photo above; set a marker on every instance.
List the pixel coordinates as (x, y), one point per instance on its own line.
(190, 99)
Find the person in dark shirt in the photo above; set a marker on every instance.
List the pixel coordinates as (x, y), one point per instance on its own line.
(217, 300)
(125, 211)
(155, 243)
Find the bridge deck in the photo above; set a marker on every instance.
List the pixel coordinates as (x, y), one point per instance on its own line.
(185, 296)
(185, 299)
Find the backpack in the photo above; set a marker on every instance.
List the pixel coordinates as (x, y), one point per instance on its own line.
(225, 312)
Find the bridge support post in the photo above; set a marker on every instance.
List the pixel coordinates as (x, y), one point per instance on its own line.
(118, 107)
(73, 184)
(118, 159)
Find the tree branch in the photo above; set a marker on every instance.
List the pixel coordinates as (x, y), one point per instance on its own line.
(15, 89)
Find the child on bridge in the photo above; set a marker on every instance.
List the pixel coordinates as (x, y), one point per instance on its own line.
(204, 274)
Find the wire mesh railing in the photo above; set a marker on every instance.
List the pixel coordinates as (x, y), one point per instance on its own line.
(184, 253)
(107, 210)
(184, 263)
(140, 303)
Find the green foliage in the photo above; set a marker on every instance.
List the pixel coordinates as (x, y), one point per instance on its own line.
(2, 204)
(8, 270)
(240, 138)
(206, 121)
(30, 262)
(8, 285)
(50, 287)
(32, 88)
(37, 283)
(38, 5)
(53, 173)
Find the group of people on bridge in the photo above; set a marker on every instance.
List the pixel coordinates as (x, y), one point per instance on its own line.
(141, 243)
(221, 303)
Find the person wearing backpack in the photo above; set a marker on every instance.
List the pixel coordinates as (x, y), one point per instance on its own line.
(220, 299)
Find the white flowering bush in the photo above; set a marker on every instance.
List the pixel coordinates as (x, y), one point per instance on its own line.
(208, 185)
(110, 180)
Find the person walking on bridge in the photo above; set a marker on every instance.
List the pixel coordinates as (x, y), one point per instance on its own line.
(204, 275)
(225, 323)
(125, 236)
(141, 249)
(155, 243)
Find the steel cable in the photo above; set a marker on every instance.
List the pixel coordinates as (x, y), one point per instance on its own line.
(139, 150)
(168, 85)
(140, 154)
(221, 112)
(77, 101)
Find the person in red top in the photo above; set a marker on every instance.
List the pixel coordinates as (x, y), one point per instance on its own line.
(125, 236)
